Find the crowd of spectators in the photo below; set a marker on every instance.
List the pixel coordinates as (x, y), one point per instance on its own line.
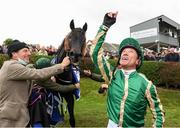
(3, 49)
(169, 54)
(37, 49)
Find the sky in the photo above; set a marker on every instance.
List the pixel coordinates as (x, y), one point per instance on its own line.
(46, 22)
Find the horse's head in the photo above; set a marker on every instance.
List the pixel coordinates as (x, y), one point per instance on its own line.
(75, 42)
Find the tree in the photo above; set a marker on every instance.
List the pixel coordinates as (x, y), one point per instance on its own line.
(8, 41)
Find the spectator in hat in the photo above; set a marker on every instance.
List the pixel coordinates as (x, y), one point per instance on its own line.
(16, 85)
(129, 92)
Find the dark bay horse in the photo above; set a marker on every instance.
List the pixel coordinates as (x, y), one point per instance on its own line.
(73, 46)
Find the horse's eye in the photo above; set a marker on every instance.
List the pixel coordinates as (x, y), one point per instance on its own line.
(83, 40)
(69, 39)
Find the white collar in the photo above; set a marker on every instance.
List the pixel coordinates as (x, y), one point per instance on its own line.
(127, 72)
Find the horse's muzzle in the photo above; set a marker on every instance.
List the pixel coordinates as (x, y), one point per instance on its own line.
(75, 58)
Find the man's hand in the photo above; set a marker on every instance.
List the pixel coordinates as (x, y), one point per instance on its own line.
(77, 85)
(53, 78)
(109, 19)
(87, 72)
(66, 61)
(103, 88)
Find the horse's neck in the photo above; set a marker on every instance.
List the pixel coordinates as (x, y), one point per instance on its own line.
(66, 76)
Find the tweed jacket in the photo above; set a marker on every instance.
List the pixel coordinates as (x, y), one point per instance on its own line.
(50, 84)
(15, 88)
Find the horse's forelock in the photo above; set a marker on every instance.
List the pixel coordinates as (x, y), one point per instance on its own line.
(75, 31)
(78, 30)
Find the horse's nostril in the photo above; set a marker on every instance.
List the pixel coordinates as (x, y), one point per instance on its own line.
(71, 53)
(80, 55)
(77, 54)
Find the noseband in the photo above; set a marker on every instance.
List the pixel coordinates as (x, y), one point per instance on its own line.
(72, 56)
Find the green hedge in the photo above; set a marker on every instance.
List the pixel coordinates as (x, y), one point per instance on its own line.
(161, 73)
(150, 68)
(3, 58)
(35, 57)
(152, 71)
(170, 73)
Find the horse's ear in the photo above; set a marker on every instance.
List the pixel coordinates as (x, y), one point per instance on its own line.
(72, 24)
(85, 27)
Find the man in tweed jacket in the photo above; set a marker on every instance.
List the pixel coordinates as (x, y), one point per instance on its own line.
(15, 84)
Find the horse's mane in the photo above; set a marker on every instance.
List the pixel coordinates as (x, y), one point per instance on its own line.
(61, 52)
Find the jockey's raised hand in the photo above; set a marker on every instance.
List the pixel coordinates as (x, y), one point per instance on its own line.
(109, 19)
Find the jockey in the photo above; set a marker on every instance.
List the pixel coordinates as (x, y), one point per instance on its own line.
(16, 84)
(129, 92)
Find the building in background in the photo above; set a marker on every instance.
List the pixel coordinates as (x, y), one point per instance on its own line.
(157, 33)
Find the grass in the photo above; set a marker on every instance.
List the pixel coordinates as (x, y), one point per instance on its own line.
(90, 110)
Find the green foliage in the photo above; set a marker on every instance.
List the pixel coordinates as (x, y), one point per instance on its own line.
(151, 69)
(112, 62)
(8, 41)
(160, 73)
(170, 73)
(3, 58)
(35, 57)
(88, 64)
